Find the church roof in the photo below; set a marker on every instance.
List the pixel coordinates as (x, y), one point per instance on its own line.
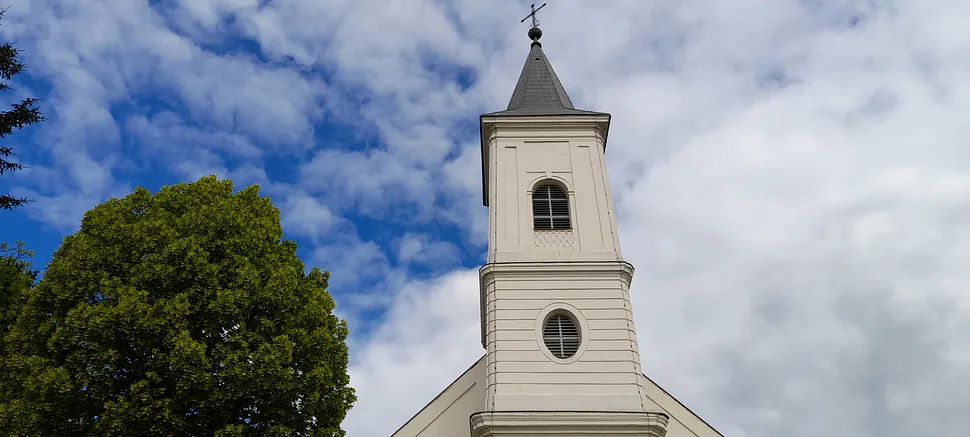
(539, 91)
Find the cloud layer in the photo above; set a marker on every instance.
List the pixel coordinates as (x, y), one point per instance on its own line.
(790, 177)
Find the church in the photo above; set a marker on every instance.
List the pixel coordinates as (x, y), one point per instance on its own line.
(561, 355)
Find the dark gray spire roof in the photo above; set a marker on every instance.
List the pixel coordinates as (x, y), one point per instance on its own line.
(538, 91)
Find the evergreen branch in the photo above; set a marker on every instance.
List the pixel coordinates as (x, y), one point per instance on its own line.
(9, 202)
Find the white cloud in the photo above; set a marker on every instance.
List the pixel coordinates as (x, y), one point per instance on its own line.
(422, 250)
(305, 215)
(372, 183)
(168, 136)
(426, 341)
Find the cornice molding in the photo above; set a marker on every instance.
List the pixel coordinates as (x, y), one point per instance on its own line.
(585, 269)
(575, 118)
(490, 130)
(568, 423)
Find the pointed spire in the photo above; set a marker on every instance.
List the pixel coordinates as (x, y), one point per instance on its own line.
(539, 91)
(538, 88)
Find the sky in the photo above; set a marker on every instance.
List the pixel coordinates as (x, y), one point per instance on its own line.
(790, 177)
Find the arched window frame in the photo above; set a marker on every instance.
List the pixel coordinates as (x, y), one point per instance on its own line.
(561, 219)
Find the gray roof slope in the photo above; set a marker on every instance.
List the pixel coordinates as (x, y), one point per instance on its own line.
(538, 91)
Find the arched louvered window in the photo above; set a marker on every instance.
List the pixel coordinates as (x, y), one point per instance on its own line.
(550, 208)
(561, 336)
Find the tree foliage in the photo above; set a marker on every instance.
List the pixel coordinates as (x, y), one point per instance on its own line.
(21, 114)
(184, 313)
(16, 278)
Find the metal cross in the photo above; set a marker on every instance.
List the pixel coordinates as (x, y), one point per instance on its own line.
(535, 23)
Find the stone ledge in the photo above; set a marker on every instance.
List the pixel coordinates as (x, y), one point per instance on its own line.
(593, 269)
(568, 423)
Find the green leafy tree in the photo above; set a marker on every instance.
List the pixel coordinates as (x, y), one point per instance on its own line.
(16, 278)
(21, 114)
(179, 313)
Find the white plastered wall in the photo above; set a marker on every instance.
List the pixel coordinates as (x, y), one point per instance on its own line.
(568, 152)
(447, 415)
(521, 373)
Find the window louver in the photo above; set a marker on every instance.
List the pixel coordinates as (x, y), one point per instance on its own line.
(550, 208)
(561, 336)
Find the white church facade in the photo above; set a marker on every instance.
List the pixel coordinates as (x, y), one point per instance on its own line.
(561, 355)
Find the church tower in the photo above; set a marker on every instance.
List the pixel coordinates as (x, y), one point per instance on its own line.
(556, 319)
(561, 354)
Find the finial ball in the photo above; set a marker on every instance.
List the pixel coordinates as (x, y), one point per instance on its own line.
(535, 33)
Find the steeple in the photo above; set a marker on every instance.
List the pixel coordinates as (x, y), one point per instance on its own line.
(561, 352)
(539, 91)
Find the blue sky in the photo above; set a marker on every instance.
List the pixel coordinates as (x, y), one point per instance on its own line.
(241, 112)
(789, 177)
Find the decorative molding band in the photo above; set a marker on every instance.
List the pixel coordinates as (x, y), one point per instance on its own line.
(568, 423)
(587, 269)
(491, 129)
(554, 238)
